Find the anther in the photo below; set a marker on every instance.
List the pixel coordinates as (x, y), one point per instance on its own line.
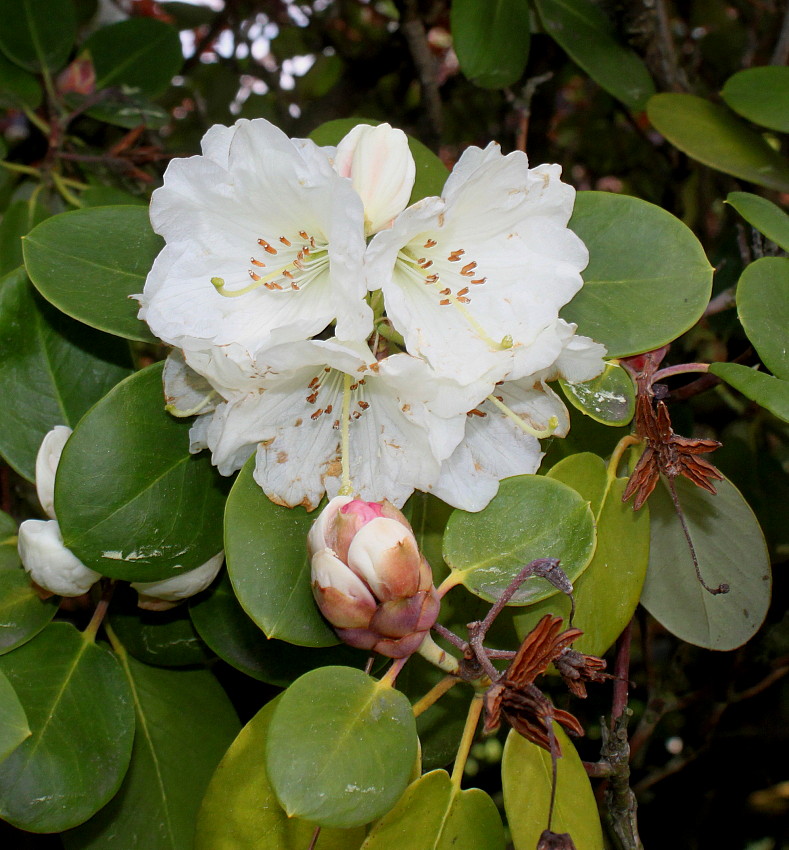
(468, 269)
(464, 300)
(253, 275)
(481, 280)
(425, 264)
(363, 404)
(257, 263)
(314, 382)
(444, 301)
(312, 397)
(476, 412)
(463, 291)
(431, 278)
(431, 243)
(317, 413)
(303, 234)
(456, 255)
(266, 247)
(284, 241)
(328, 409)
(446, 291)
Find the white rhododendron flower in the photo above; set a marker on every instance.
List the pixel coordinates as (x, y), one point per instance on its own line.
(50, 564)
(47, 461)
(181, 586)
(473, 279)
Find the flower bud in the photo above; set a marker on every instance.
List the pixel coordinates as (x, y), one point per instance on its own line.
(369, 578)
(165, 594)
(47, 461)
(51, 565)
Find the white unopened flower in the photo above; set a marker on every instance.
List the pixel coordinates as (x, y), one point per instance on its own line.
(50, 564)
(181, 586)
(47, 461)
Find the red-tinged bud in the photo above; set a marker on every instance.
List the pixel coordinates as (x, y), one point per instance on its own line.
(369, 578)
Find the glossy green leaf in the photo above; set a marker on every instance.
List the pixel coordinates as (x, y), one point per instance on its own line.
(714, 136)
(89, 261)
(526, 779)
(185, 722)
(531, 517)
(341, 747)
(763, 308)
(139, 53)
(608, 591)
(79, 707)
(239, 807)
(434, 813)
(13, 721)
(17, 86)
(266, 553)
(648, 279)
(771, 393)
(609, 399)
(491, 40)
(22, 613)
(18, 220)
(9, 556)
(126, 109)
(227, 629)
(51, 370)
(764, 215)
(105, 196)
(131, 501)
(587, 35)
(37, 34)
(431, 173)
(730, 548)
(761, 95)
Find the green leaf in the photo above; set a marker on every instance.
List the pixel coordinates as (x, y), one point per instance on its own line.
(17, 86)
(491, 40)
(771, 393)
(51, 370)
(714, 136)
(526, 780)
(762, 214)
(761, 95)
(763, 308)
(37, 34)
(18, 220)
(608, 591)
(643, 262)
(80, 711)
(530, 517)
(227, 629)
(266, 553)
(140, 53)
(13, 720)
(185, 722)
(131, 501)
(609, 399)
(341, 747)
(431, 173)
(104, 196)
(730, 548)
(89, 261)
(587, 35)
(435, 813)
(239, 807)
(125, 108)
(22, 613)
(9, 556)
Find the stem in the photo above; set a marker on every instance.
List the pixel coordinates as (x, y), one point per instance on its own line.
(68, 196)
(474, 712)
(619, 450)
(553, 422)
(434, 694)
(21, 169)
(432, 652)
(389, 678)
(108, 587)
(452, 580)
(679, 369)
(314, 839)
(36, 120)
(621, 673)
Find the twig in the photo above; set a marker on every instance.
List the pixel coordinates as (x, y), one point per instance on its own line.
(621, 674)
(621, 805)
(781, 53)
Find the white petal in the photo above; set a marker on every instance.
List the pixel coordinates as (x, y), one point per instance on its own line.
(329, 571)
(185, 391)
(47, 461)
(50, 564)
(182, 586)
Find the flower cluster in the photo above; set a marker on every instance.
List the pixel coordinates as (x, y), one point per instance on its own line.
(355, 344)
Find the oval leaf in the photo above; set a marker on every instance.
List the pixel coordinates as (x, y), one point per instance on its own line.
(609, 399)
(341, 747)
(730, 548)
(491, 40)
(131, 505)
(79, 706)
(643, 261)
(51, 370)
(771, 393)
(18, 88)
(761, 95)
(714, 136)
(764, 215)
(526, 779)
(37, 34)
(530, 517)
(13, 720)
(266, 553)
(239, 807)
(587, 36)
(763, 308)
(22, 613)
(88, 262)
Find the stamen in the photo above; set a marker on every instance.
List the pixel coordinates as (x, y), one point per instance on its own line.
(253, 275)
(284, 241)
(476, 412)
(303, 234)
(456, 255)
(266, 247)
(553, 422)
(257, 263)
(468, 269)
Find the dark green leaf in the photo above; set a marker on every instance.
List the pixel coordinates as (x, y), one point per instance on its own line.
(37, 34)
(18, 220)
(609, 399)
(341, 747)
(643, 262)
(104, 196)
(761, 95)
(51, 370)
(88, 262)
(771, 393)
(80, 711)
(9, 556)
(764, 215)
(763, 308)
(13, 720)
(714, 136)
(131, 501)
(17, 86)
(126, 108)
(22, 613)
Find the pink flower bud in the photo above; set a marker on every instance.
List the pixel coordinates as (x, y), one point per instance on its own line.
(369, 578)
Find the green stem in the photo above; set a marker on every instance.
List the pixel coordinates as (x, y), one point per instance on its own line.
(619, 450)
(434, 694)
(21, 169)
(469, 730)
(432, 652)
(108, 587)
(68, 196)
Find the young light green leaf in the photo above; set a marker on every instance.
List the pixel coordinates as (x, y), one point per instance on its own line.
(341, 747)
(531, 517)
(730, 548)
(131, 505)
(266, 547)
(13, 721)
(88, 262)
(23, 613)
(79, 706)
(764, 215)
(761, 95)
(491, 40)
(526, 780)
(771, 393)
(763, 308)
(642, 260)
(37, 34)
(714, 136)
(609, 398)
